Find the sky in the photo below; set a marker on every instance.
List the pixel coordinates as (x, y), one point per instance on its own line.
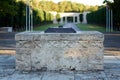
(86, 2)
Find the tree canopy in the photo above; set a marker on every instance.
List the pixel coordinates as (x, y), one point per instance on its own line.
(7, 7)
(99, 16)
(13, 12)
(63, 6)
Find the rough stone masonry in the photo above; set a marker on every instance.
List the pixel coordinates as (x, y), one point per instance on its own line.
(59, 51)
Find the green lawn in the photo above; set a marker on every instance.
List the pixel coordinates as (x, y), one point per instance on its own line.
(83, 27)
(88, 27)
(44, 27)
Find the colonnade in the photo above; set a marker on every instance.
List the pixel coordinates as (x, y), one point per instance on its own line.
(75, 17)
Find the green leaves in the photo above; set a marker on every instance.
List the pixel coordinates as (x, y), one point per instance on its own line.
(97, 17)
(58, 17)
(7, 7)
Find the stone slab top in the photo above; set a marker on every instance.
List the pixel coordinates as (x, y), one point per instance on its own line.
(80, 35)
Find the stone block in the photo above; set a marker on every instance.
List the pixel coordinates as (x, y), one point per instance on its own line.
(59, 51)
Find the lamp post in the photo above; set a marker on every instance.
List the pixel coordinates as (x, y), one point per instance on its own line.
(109, 18)
(29, 17)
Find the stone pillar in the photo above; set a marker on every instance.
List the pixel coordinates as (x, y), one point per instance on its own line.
(54, 20)
(84, 18)
(65, 19)
(61, 20)
(73, 19)
(78, 19)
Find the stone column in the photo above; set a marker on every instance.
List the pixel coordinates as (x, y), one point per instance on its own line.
(78, 19)
(73, 19)
(65, 19)
(84, 18)
(61, 20)
(54, 20)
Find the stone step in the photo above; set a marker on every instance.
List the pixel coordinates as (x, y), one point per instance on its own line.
(112, 59)
(7, 61)
(6, 44)
(7, 41)
(6, 35)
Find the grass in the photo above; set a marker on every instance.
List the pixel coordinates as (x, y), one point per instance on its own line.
(83, 27)
(44, 27)
(89, 27)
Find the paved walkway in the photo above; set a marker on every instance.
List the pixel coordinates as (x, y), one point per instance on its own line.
(71, 25)
(111, 71)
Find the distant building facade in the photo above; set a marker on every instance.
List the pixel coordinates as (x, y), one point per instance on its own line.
(75, 17)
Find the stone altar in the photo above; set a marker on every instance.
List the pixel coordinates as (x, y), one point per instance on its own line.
(59, 51)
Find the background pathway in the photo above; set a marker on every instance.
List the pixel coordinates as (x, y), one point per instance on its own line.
(71, 25)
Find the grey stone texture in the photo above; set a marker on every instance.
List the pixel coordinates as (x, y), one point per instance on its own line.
(59, 51)
(111, 72)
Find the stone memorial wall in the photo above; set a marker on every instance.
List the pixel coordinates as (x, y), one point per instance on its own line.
(59, 51)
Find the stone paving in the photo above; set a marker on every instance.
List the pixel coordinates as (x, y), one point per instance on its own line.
(111, 71)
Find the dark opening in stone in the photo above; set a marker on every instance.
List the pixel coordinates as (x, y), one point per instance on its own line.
(60, 30)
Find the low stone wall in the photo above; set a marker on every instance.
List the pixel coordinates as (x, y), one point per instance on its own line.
(5, 29)
(59, 51)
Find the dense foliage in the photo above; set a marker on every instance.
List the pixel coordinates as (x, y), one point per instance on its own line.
(116, 14)
(99, 16)
(13, 12)
(63, 6)
(58, 17)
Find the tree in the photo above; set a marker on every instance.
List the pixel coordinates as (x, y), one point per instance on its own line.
(7, 7)
(75, 7)
(81, 17)
(68, 6)
(97, 17)
(41, 15)
(116, 14)
(50, 17)
(93, 8)
(58, 17)
(81, 7)
(35, 3)
(61, 6)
